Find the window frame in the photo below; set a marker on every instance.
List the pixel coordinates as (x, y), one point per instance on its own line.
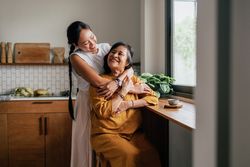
(179, 90)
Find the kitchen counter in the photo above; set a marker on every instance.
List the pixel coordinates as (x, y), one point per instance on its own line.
(184, 116)
(12, 98)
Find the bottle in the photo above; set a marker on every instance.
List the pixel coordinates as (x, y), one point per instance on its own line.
(3, 55)
(9, 55)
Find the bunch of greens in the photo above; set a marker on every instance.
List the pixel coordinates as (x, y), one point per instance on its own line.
(160, 83)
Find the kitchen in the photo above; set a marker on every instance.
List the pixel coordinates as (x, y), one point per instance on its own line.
(45, 23)
(134, 22)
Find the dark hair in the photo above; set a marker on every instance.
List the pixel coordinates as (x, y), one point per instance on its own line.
(73, 34)
(130, 55)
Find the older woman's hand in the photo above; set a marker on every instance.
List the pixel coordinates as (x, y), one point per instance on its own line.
(130, 72)
(123, 107)
(140, 89)
(107, 90)
(127, 85)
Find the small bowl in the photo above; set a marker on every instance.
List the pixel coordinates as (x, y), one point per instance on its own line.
(173, 101)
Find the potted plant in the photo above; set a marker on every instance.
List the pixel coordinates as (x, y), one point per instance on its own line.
(160, 83)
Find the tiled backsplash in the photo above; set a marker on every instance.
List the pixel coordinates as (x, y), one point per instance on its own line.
(53, 77)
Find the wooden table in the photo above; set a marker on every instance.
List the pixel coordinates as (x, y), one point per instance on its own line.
(184, 116)
(170, 131)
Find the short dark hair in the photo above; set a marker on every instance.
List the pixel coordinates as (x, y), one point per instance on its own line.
(130, 55)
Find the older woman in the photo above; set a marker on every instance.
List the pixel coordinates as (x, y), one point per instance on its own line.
(116, 121)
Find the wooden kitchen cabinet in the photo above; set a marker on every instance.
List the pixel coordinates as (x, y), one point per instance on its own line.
(3, 141)
(58, 140)
(39, 133)
(26, 142)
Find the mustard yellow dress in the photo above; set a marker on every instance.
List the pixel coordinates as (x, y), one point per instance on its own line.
(117, 136)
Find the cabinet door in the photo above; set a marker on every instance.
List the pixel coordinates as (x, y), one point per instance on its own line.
(3, 141)
(26, 140)
(58, 139)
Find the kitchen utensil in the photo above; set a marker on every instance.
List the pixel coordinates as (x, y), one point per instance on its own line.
(58, 54)
(3, 55)
(32, 53)
(9, 55)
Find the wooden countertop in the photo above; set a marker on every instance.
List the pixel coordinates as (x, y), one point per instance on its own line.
(184, 116)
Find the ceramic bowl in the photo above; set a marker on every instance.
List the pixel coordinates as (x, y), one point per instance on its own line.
(173, 101)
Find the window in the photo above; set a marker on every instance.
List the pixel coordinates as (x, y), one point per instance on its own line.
(181, 43)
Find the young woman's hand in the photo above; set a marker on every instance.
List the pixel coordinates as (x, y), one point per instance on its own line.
(140, 89)
(107, 90)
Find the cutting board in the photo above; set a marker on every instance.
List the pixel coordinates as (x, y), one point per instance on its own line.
(32, 52)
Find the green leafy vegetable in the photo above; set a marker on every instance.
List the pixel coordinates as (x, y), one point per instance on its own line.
(160, 83)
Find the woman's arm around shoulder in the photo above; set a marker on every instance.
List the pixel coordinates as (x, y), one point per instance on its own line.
(87, 72)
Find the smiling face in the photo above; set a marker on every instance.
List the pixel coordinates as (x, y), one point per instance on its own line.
(87, 41)
(117, 59)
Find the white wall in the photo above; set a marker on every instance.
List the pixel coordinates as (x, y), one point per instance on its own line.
(47, 20)
(204, 144)
(153, 36)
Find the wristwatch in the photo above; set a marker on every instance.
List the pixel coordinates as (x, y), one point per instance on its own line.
(118, 82)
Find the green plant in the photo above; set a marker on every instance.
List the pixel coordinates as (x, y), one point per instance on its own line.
(160, 83)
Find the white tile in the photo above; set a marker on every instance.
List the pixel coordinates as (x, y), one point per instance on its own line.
(53, 77)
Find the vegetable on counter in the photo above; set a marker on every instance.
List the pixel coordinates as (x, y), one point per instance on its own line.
(160, 83)
(23, 91)
(28, 92)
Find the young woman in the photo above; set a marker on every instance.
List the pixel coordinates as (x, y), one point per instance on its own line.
(86, 62)
(116, 121)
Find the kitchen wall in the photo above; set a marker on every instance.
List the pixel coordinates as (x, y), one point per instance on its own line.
(47, 21)
(51, 77)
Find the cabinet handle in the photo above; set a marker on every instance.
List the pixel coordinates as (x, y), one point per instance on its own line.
(42, 102)
(40, 125)
(45, 126)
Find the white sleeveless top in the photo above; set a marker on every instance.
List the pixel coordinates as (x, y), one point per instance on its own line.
(81, 151)
(95, 61)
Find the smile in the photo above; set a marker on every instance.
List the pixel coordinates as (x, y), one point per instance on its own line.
(114, 60)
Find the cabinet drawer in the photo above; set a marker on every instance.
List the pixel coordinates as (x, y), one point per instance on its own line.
(34, 106)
